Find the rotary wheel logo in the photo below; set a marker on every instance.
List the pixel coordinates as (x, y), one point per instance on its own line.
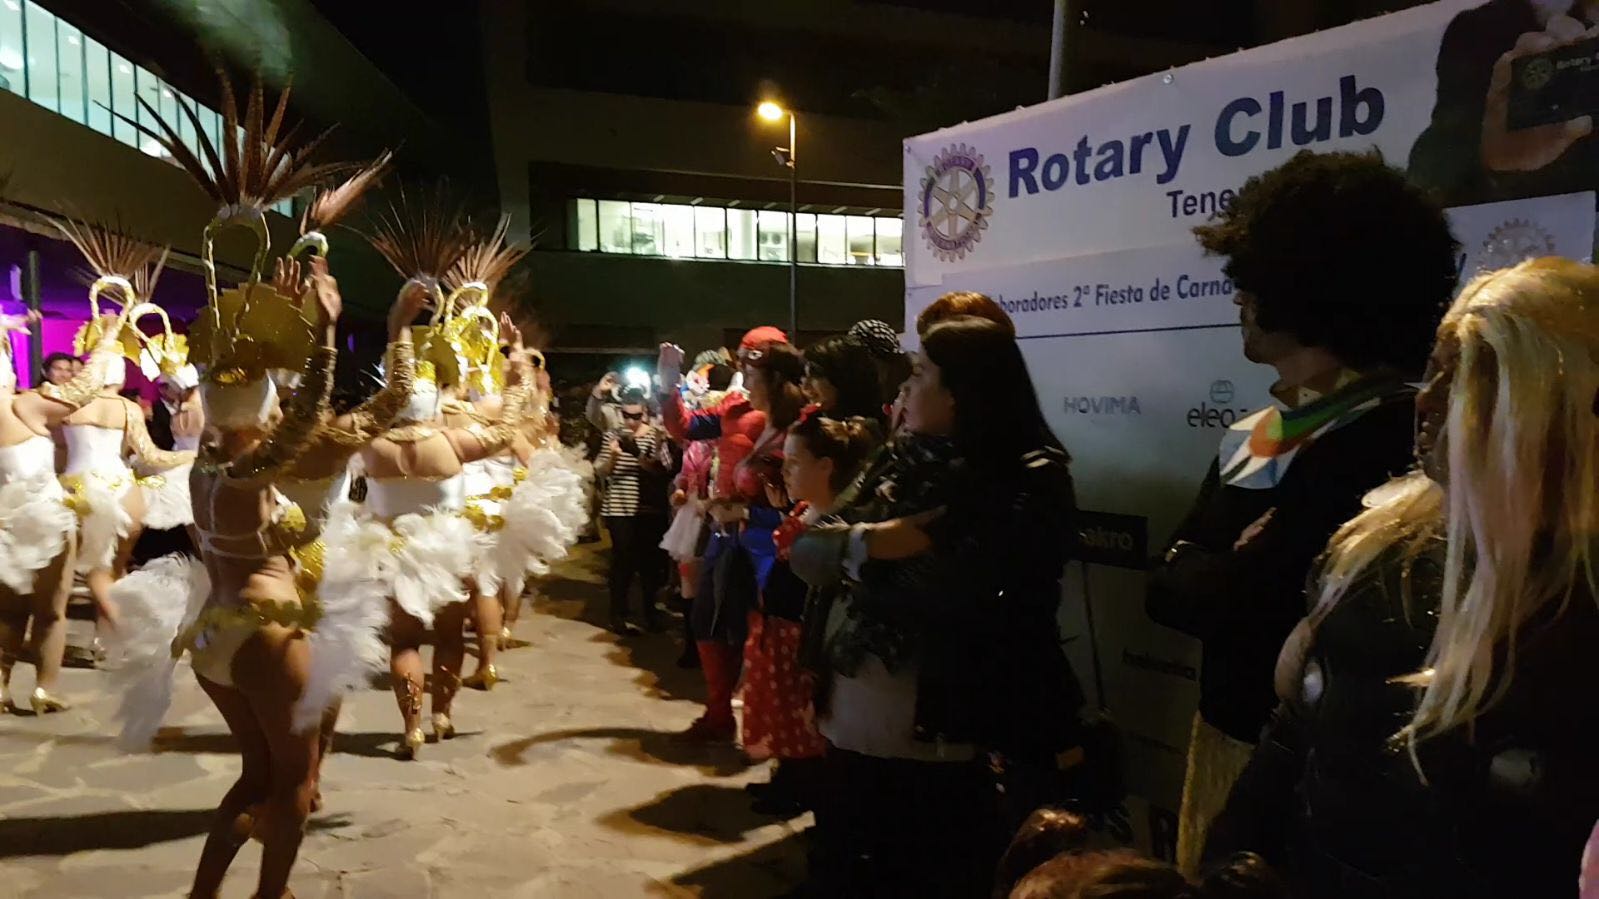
(1537, 73)
(1514, 241)
(956, 202)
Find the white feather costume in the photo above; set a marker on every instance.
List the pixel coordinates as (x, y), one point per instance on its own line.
(418, 558)
(158, 602)
(35, 521)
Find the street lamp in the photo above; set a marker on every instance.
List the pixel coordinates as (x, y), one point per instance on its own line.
(786, 157)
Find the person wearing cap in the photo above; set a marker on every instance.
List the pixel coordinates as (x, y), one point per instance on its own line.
(735, 424)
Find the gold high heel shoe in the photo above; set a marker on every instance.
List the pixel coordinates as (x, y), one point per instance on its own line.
(412, 744)
(44, 703)
(443, 728)
(483, 679)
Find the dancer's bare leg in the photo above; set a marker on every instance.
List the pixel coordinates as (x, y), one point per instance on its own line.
(487, 616)
(273, 670)
(52, 590)
(449, 650)
(405, 670)
(13, 627)
(233, 823)
(330, 724)
(511, 599)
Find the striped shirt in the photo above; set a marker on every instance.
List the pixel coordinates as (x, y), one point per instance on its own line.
(623, 473)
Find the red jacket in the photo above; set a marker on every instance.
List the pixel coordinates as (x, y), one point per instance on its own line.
(733, 423)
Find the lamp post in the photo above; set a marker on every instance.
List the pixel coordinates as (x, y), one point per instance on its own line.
(786, 157)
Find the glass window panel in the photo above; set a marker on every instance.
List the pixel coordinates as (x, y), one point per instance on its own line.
(212, 120)
(185, 126)
(97, 78)
(149, 88)
(862, 237)
(42, 76)
(774, 236)
(806, 223)
(888, 242)
(616, 227)
(831, 246)
(168, 104)
(11, 61)
(710, 232)
(69, 66)
(679, 225)
(649, 230)
(122, 94)
(741, 239)
(585, 226)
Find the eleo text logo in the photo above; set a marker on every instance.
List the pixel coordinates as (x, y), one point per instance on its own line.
(956, 202)
(1102, 405)
(1215, 411)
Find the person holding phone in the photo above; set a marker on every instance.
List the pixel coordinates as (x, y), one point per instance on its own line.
(636, 464)
(1470, 152)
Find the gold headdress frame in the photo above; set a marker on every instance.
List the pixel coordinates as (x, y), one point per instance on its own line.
(122, 265)
(472, 280)
(250, 328)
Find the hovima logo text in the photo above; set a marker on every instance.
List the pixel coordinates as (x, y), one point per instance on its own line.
(1102, 405)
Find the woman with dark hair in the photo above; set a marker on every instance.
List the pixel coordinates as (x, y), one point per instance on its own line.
(945, 648)
(841, 378)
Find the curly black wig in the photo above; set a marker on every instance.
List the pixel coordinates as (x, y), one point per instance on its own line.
(1342, 253)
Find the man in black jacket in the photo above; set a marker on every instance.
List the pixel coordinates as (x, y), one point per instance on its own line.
(1342, 270)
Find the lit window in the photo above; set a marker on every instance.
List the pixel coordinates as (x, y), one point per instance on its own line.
(710, 232)
(806, 223)
(678, 223)
(212, 120)
(168, 105)
(69, 60)
(186, 132)
(831, 246)
(11, 61)
(616, 227)
(649, 231)
(741, 239)
(97, 80)
(585, 226)
(42, 77)
(774, 236)
(122, 94)
(862, 237)
(149, 88)
(888, 242)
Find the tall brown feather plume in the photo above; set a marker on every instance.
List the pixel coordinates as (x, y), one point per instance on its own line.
(487, 260)
(332, 205)
(108, 250)
(422, 237)
(258, 167)
(145, 279)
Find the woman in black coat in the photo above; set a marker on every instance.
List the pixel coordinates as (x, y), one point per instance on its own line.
(945, 648)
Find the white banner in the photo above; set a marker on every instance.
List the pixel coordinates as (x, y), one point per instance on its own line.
(1076, 215)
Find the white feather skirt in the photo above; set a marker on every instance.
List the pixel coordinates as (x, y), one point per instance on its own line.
(419, 559)
(102, 521)
(346, 645)
(543, 518)
(166, 498)
(158, 602)
(34, 526)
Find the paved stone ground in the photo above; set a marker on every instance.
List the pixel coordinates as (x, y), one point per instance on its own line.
(562, 783)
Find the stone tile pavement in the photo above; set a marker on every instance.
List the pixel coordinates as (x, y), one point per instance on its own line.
(562, 783)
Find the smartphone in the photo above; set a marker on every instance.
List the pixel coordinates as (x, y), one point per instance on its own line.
(1555, 86)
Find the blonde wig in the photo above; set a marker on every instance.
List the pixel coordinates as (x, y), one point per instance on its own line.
(1518, 509)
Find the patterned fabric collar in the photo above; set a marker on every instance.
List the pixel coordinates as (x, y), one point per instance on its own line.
(1256, 451)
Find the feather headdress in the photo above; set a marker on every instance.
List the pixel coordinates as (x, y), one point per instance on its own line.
(424, 238)
(333, 204)
(261, 161)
